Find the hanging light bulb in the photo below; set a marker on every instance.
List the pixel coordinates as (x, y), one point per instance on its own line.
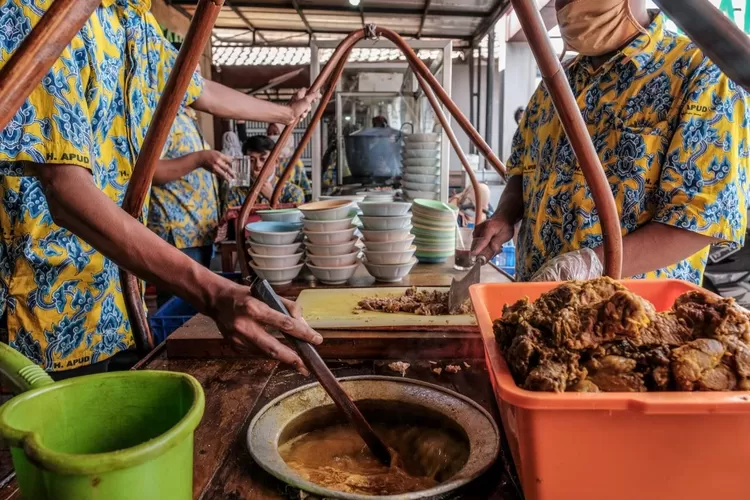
(354, 2)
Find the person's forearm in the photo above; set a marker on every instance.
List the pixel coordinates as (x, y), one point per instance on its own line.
(221, 101)
(171, 170)
(655, 246)
(510, 207)
(79, 206)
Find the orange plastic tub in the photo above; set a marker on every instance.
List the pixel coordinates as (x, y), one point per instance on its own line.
(617, 446)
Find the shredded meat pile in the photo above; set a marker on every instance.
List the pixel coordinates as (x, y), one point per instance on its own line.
(596, 336)
(425, 303)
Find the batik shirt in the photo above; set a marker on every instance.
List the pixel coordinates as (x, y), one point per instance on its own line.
(672, 134)
(185, 212)
(61, 298)
(235, 196)
(298, 177)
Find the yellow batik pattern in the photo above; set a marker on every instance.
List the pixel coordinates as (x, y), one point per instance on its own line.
(185, 212)
(61, 298)
(672, 134)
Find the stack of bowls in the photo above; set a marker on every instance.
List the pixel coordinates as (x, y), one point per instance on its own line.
(421, 166)
(332, 253)
(434, 228)
(384, 195)
(389, 253)
(275, 250)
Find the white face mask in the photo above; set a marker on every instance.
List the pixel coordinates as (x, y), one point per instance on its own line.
(287, 150)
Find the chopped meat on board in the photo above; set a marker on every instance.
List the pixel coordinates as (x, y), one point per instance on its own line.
(422, 302)
(596, 336)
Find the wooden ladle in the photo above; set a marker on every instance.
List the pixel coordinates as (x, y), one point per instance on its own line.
(317, 366)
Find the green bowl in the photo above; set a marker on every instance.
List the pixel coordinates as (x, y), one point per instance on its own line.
(432, 235)
(434, 205)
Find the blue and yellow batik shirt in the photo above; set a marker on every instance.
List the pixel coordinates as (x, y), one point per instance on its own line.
(61, 298)
(672, 134)
(185, 212)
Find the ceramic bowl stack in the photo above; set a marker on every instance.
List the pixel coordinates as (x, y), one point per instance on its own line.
(389, 253)
(421, 166)
(330, 240)
(383, 195)
(275, 247)
(434, 228)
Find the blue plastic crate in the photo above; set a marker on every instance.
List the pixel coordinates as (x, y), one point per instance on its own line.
(176, 312)
(173, 314)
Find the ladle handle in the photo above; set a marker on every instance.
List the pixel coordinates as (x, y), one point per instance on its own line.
(22, 374)
(317, 366)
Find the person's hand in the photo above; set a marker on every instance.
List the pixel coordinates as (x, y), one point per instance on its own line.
(578, 265)
(216, 163)
(302, 103)
(242, 320)
(490, 236)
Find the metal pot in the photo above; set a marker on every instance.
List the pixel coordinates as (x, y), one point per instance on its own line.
(374, 152)
(309, 407)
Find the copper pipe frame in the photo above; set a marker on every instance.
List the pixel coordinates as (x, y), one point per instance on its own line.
(198, 34)
(39, 51)
(329, 75)
(576, 131)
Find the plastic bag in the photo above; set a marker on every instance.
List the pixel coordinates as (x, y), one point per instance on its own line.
(578, 265)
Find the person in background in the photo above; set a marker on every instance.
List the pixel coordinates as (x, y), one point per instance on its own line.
(518, 115)
(464, 201)
(258, 148)
(299, 176)
(671, 132)
(184, 209)
(66, 158)
(380, 122)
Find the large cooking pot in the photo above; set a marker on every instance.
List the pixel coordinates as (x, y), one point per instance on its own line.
(374, 152)
(380, 399)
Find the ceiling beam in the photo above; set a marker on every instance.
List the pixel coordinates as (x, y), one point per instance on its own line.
(395, 11)
(304, 19)
(330, 31)
(244, 19)
(500, 9)
(424, 17)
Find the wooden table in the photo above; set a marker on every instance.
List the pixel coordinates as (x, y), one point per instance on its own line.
(237, 388)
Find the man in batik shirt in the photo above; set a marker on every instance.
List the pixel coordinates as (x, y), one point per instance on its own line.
(671, 132)
(185, 194)
(258, 148)
(65, 160)
(299, 176)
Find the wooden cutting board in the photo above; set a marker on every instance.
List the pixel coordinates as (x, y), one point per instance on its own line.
(337, 309)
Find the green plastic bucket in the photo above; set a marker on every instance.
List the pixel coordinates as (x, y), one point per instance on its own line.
(114, 436)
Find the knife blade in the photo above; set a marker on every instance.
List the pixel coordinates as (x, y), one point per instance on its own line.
(459, 290)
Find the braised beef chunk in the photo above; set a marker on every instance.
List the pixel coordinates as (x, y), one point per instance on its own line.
(596, 336)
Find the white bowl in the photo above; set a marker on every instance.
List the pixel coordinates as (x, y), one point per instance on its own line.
(277, 276)
(416, 146)
(280, 215)
(422, 137)
(427, 195)
(273, 233)
(330, 237)
(333, 275)
(401, 257)
(339, 249)
(327, 210)
(322, 226)
(354, 198)
(276, 250)
(389, 246)
(420, 162)
(418, 186)
(385, 223)
(276, 261)
(389, 235)
(384, 209)
(422, 171)
(333, 260)
(389, 273)
(424, 179)
(430, 154)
